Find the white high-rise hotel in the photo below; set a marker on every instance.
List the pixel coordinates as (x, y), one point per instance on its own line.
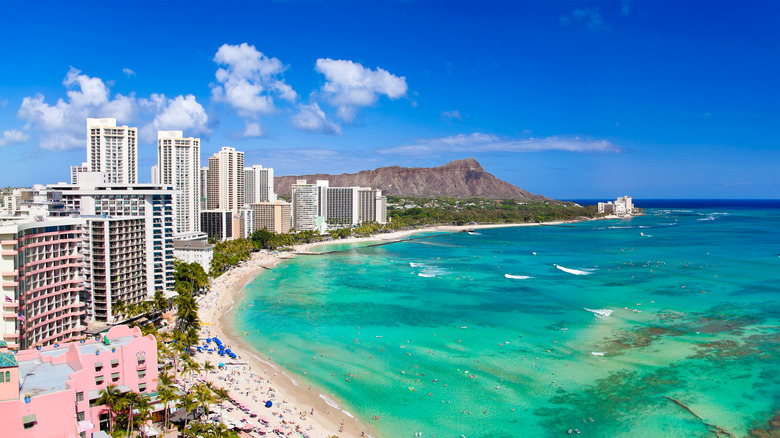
(178, 165)
(112, 150)
(259, 183)
(226, 180)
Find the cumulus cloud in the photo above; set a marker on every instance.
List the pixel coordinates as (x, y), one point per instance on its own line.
(13, 136)
(249, 80)
(589, 17)
(253, 130)
(129, 73)
(479, 142)
(182, 113)
(350, 86)
(311, 118)
(61, 126)
(451, 115)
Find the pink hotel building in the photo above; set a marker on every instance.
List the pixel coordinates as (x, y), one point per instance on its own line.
(51, 392)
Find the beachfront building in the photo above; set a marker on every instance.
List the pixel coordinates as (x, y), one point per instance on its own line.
(193, 248)
(622, 206)
(112, 150)
(41, 282)
(342, 206)
(309, 208)
(372, 206)
(226, 180)
(178, 162)
(152, 202)
(259, 184)
(155, 174)
(51, 392)
(272, 216)
(220, 224)
(114, 264)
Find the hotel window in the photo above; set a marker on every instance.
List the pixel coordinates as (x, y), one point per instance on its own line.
(141, 374)
(114, 363)
(98, 366)
(114, 377)
(79, 396)
(80, 416)
(98, 380)
(29, 421)
(142, 387)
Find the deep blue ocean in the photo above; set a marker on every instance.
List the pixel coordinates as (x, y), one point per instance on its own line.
(663, 325)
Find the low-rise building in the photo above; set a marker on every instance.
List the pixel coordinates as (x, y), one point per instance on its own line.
(272, 216)
(52, 392)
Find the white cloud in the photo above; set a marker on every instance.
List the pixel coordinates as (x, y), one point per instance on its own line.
(350, 86)
(13, 136)
(254, 129)
(62, 125)
(181, 113)
(248, 80)
(589, 17)
(129, 73)
(451, 115)
(479, 142)
(311, 118)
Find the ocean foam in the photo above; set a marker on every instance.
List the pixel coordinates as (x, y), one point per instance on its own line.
(600, 312)
(517, 277)
(572, 271)
(330, 402)
(597, 353)
(418, 265)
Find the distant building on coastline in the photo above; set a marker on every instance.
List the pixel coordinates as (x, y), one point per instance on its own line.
(52, 392)
(178, 165)
(259, 184)
(193, 248)
(622, 206)
(272, 216)
(112, 150)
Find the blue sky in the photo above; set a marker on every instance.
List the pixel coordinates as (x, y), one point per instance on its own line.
(569, 99)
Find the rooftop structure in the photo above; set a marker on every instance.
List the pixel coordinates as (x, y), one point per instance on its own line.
(51, 392)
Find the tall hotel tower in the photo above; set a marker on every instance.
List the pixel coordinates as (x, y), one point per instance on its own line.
(178, 165)
(226, 180)
(259, 183)
(112, 150)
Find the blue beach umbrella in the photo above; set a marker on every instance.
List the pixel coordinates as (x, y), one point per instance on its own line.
(268, 404)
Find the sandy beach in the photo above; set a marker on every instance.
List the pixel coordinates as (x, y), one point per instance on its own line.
(298, 409)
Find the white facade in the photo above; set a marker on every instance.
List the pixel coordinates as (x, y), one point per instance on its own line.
(76, 170)
(226, 180)
(152, 202)
(112, 150)
(114, 264)
(622, 206)
(309, 207)
(373, 206)
(204, 186)
(259, 184)
(194, 251)
(342, 206)
(178, 165)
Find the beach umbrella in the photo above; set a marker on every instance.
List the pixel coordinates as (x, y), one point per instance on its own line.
(268, 404)
(221, 364)
(208, 340)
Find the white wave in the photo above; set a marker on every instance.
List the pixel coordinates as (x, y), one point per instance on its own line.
(600, 312)
(597, 353)
(426, 274)
(330, 402)
(474, 233)
(572, 271)
(708, 218)
(645, 235)
(417, 265)
(517, 277)
(347, 414)
(618, 228)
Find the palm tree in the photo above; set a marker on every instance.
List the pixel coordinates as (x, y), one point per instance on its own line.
(189, 366)
(131, 399)
(189, 404)
(207, 367)
(166, 395)
(109, 396)
(205, 397)
(221, 394)
(144, 413)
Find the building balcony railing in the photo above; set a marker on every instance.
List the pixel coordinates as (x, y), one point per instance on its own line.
(13, 274)
(10, 304)
(10, 252)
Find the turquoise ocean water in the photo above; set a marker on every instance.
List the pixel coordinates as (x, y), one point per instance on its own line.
(488, 334)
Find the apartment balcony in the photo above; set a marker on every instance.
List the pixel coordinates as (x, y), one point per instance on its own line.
(10, 283)
(9, 252)
(10, 274)
(10, 305)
